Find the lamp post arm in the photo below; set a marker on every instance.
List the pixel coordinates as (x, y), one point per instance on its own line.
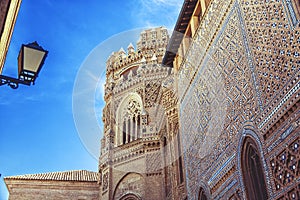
(12, 82)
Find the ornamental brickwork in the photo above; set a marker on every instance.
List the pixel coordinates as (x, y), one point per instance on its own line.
(238, 89)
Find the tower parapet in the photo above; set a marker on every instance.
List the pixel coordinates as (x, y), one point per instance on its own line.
(152, 43)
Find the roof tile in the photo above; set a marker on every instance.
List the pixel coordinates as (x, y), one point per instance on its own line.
(74, 175)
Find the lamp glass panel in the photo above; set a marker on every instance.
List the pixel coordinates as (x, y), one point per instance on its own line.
(32, 59)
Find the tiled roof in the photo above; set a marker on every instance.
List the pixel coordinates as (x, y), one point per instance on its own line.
(75, 175)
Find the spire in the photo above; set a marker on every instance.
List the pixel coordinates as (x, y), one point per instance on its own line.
(122, 53)
(130, 48)
(122, 50)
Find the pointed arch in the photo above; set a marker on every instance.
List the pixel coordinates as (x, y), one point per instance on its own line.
(202, 195)
(127, 189)
(128, 122)
(204, 192)
(252, 167)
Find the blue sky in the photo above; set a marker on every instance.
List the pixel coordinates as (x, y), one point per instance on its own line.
(37, 129)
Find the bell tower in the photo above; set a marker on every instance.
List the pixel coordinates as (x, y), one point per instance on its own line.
(130, 163)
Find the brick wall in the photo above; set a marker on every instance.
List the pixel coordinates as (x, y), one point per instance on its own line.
(37, 190)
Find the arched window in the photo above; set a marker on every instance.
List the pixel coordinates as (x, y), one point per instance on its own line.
(129, 121)
(252, 170)
(202, 195)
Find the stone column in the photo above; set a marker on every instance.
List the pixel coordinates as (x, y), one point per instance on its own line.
(136, 127)
(131, 129)
(127, 130)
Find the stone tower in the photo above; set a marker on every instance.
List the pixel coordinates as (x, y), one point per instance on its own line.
(130, 163)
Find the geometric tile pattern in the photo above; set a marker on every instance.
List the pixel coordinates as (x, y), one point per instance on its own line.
(286, 165)
(294, 193)
(151, 92)
(233, 74)
(218, 101)
(275, 46)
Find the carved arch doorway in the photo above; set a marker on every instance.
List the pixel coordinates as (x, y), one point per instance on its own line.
(202, 195)
(252, 170)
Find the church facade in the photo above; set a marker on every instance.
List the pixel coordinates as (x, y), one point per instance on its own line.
(210, 113)
(236, 66)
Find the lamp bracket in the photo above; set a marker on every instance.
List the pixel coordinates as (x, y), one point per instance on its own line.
(12, 82)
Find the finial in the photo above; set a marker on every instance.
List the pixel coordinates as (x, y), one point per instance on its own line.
(130, 46)
(122, 50)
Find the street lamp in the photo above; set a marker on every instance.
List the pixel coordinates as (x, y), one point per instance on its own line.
(30, 61)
